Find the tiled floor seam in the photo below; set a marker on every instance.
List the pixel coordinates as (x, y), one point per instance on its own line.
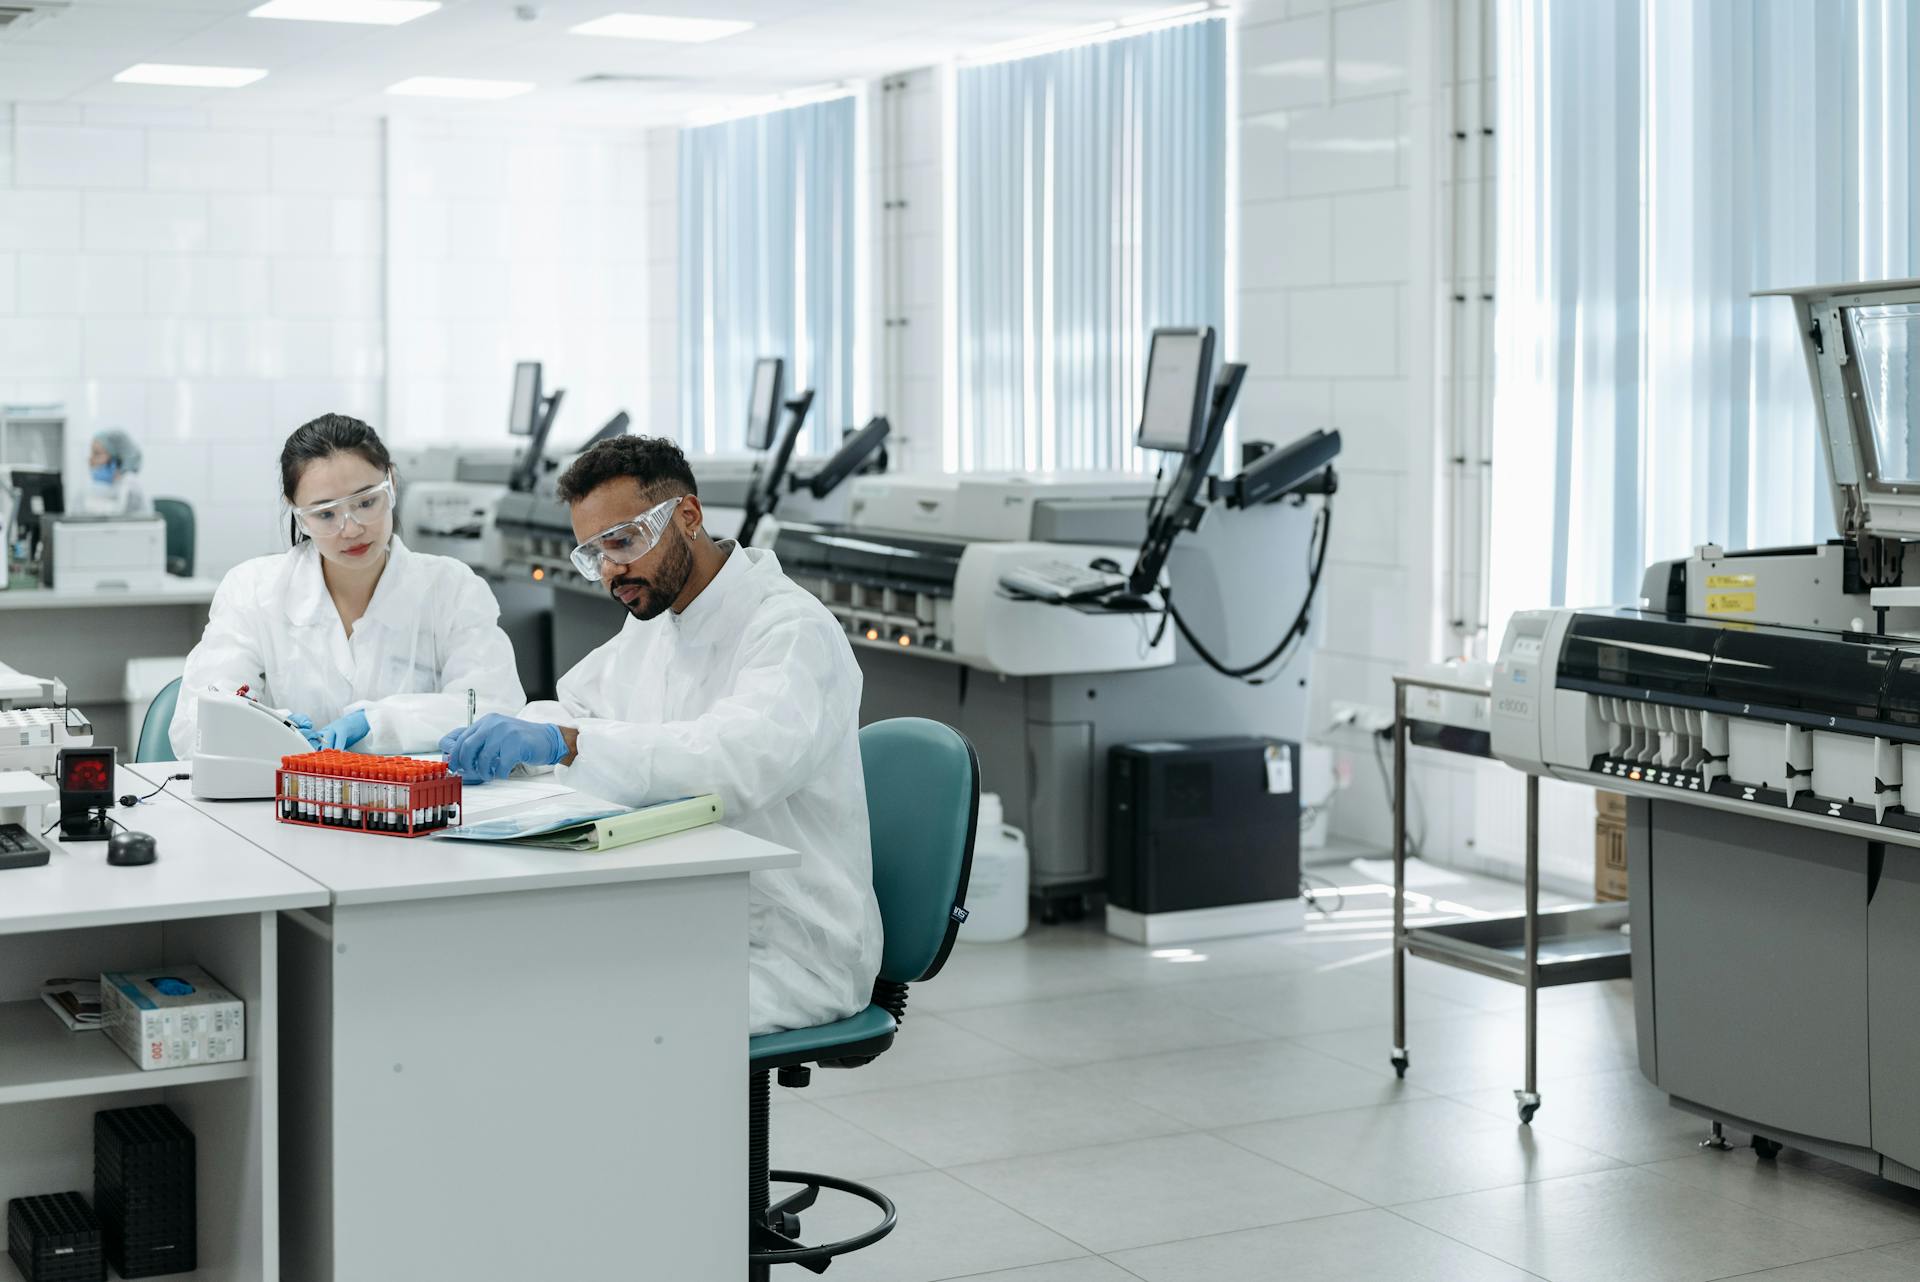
(1461, 1242)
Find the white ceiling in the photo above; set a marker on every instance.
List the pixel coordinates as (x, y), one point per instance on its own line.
(72, 55)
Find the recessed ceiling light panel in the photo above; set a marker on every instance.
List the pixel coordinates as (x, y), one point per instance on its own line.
(455, 87)
(650, 26)
(382, 13)
(190, 77)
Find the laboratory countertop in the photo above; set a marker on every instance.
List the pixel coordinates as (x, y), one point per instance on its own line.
(203, 870)
(162, 591)
(363, 868)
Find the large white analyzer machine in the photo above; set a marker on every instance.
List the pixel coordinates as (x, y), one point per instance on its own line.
(930, 576)
(1761, 710)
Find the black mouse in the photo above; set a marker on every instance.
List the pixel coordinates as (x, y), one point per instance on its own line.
(130, 849)
(1106, 563)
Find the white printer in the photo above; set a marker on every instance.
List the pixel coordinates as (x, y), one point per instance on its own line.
(113, 553)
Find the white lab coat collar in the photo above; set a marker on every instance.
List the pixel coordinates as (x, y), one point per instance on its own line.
(723, 605)
(308, 602)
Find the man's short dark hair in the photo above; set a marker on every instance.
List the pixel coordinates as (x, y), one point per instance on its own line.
(655, 462)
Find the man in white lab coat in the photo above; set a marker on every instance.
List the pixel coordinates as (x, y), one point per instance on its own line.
(727, 678)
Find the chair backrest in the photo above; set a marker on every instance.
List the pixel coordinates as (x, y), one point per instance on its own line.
(178, 514)
(154, 744)
(923, 800)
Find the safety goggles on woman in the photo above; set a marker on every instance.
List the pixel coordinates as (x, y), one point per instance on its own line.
(625, 543)
(365, 508)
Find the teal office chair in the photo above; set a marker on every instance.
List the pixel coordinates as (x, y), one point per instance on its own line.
(178, 514)
(154, 744)
(923, 798)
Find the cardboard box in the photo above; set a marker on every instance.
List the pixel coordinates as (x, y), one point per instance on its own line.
(172, 1017)
(1609, 859)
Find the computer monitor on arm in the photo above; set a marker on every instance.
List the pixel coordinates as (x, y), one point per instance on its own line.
(1178, 416)
(769, 478)
(530, 414)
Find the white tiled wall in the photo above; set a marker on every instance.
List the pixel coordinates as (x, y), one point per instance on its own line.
(206, 282)
(909, 251)
(1335, 285)
(210, 282)
(663, 282)
(506, 245)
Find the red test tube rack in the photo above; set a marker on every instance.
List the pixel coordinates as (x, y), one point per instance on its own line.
(391, 796)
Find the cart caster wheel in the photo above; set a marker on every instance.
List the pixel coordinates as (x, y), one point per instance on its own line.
(1765, 1149)
(1528, 1103)
(1074, 908)
(1526, 1113)
(1400, 1065)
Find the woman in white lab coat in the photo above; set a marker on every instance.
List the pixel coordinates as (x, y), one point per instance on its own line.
(113, 477)
(372, 646)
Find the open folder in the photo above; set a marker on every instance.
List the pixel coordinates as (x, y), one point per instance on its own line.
(576, 821)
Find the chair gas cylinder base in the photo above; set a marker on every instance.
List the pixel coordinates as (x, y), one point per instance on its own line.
(923, 797)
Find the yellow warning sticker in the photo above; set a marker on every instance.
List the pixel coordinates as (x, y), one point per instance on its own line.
(1730, 602)
(1730, 580)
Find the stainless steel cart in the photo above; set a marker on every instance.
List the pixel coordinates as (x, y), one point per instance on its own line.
(1575, 944)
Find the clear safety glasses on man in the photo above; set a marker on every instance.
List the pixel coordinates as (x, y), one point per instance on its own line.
(363, 509)
(626, 542)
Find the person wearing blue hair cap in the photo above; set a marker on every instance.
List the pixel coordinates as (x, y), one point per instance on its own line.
(113, 482)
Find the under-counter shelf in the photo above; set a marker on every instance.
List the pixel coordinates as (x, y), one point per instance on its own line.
(1577, 944)
(41, 1059)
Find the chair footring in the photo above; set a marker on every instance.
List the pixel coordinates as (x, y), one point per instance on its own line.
(800, 1201)
(815, 1258)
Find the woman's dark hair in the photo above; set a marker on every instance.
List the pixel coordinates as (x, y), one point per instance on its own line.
(324, 437)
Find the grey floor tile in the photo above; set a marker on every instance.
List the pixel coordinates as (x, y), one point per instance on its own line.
(1621, 1224)
(1157, 1190)
(1367, 1246)
(1477, 1052)
(1863, 1209)
(1090, 1269)
(946, 1230)
(1297, 1004)
(995, 974)
(1619, 1113)
(926, 1049)
(984, 1119)
(1860, 1266)
(1228, 1085)
(1422, 1148)
(1904, 1252)
(1103, 1026)
(804, 1137)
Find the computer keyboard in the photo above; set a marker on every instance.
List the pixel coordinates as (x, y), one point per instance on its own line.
(1060, 581)
(20, 848)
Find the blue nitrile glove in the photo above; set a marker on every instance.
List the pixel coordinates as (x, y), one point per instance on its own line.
(492, 746)
(304, 724)
(344, 732)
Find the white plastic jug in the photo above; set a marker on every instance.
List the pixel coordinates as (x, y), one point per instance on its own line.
(997, 890)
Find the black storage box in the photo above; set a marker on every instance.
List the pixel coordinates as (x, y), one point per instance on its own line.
(143, 1189)
(1197, 824)
(55, 1238)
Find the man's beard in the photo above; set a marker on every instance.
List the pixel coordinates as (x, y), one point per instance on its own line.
(664, 587)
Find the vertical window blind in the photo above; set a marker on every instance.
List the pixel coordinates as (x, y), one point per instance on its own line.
(1659, 162)
(767, 269)
(1091, 188)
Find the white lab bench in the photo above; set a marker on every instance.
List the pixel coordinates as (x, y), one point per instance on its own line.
(86, 637)
(211, 898)
(503, 1063)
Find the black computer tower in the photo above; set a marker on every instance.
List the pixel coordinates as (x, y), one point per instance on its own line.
(1203, 824)
(144, 1190)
